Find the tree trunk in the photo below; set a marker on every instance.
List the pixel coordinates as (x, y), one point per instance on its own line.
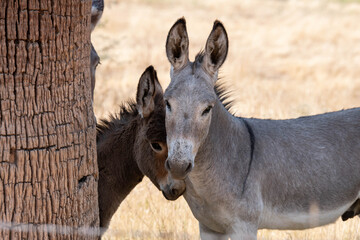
(48, 169)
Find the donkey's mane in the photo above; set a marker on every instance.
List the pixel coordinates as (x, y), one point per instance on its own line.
(224, 95)
(127, 112)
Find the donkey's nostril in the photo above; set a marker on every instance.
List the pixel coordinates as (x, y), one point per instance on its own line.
(167, 165)
(174, 192)
(188, 168)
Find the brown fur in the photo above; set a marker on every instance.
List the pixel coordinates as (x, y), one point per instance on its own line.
(124, 147)
(119, 172)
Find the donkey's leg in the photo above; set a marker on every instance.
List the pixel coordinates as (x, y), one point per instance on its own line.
(208, 234)
(352, 211)
(243, 231)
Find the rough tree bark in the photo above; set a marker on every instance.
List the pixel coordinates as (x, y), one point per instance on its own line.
(48, 169)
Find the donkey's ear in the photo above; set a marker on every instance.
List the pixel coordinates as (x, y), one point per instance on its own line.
(148, 88)
(97, 9)
(177, 45)
(216, 48)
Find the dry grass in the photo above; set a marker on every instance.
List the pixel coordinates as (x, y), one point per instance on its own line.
(286, 59)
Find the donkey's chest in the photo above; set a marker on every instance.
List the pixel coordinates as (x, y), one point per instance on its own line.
(214, 218)
(210, 210)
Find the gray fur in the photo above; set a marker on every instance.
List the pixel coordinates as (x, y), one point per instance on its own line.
(94, 62)
(97, 8)
(250, 174)
(96, 13)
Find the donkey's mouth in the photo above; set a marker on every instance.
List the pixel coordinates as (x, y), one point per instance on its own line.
(165, 195)
(173, 194)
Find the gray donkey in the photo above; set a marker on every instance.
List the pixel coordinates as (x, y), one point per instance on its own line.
(97, 8)
(246, 174)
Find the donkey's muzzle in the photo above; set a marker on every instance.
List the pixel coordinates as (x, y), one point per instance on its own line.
(179, 170)
(173, 192)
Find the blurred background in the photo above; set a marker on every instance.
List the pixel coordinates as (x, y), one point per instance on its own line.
(286, 59)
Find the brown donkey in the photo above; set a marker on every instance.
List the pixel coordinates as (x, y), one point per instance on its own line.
(133, 144)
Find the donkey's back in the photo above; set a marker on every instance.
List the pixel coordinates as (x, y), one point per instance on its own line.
(308, 167)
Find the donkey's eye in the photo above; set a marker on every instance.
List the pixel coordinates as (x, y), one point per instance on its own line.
(206, 111)
(168, 105)
(156, 146)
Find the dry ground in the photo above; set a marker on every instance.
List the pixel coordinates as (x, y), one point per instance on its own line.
(286, 59)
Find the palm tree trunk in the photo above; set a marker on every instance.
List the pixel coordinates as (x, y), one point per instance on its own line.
(48, 168)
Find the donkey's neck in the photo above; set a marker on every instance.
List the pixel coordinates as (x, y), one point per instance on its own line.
(227, 149)
(119, 157)
(118, 170)
(222, 164)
